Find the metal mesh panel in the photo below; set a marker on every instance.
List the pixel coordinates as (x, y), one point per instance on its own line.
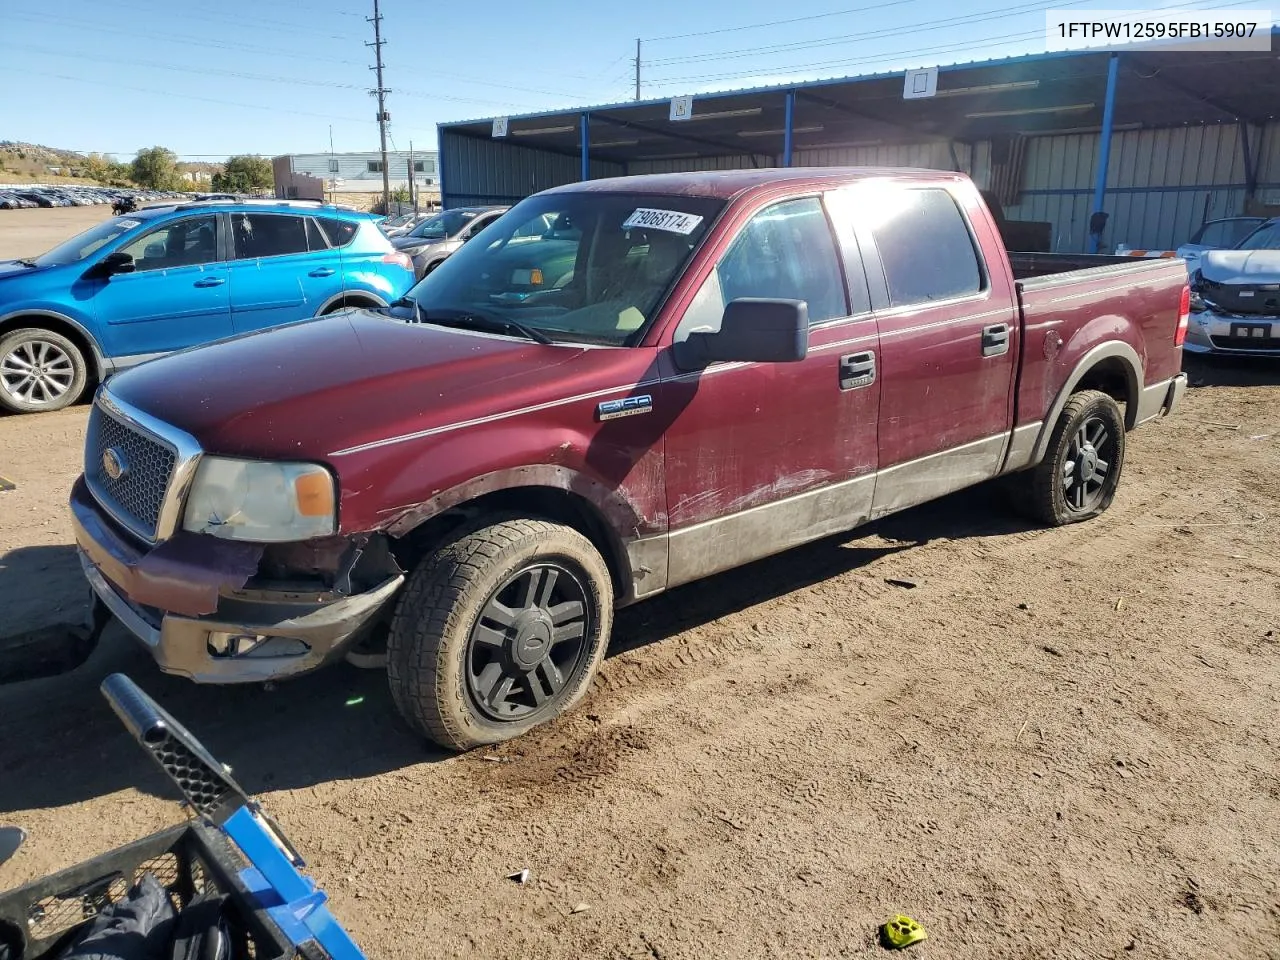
(137, 494)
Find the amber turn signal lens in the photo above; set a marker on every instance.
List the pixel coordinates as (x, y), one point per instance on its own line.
(314, 494)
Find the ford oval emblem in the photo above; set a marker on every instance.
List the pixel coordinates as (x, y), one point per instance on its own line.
(114, 465)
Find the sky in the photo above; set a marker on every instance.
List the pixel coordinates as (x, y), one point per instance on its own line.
(275, 76)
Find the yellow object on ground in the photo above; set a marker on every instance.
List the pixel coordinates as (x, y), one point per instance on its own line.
(902, 932)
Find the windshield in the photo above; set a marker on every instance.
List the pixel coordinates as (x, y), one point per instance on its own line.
(584, 267)
(443, 225)
(84, 244)
(1266, 237)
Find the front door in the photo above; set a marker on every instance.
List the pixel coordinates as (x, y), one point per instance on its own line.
(175, 297)
(763, 456)
(949, 338)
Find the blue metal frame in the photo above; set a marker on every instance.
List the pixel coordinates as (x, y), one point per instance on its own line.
(289, 898)
(787, 135)
(444, 197)
(584, 137)
(1104, 143)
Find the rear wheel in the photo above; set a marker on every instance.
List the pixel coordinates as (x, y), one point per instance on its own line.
(1078, 478)
(40, 371)
(499, 631)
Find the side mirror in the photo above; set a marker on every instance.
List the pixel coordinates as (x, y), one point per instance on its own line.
(11, 839)
(753, 330)
(118, 262)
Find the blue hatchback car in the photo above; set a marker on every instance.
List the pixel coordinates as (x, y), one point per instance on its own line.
(166, 278)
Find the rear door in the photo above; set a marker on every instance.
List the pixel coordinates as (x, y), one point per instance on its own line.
(175, 297)
(763, 456)
(949, 338)
(274, 277)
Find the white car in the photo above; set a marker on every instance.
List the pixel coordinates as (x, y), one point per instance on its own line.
(1217, 235)
(1235, 297)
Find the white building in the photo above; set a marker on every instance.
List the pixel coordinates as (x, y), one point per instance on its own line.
(307, 176)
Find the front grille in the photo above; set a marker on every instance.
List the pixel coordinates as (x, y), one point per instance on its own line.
(1247, 343)
(1248, 298)
(137, 495)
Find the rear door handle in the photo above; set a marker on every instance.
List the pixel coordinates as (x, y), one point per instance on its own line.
(995, 340)
(857, 370)
(211, 282)
(322, 272)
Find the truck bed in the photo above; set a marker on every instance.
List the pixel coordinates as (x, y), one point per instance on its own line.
(1062, 296)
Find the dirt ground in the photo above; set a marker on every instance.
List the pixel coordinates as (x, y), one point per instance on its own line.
(1060, 743)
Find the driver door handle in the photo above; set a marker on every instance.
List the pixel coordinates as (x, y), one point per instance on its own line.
(322, 272)
(857, 370)
(995, 340)
(211, 281)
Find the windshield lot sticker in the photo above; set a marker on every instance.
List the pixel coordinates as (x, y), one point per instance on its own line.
(672, 221)
(130, 224)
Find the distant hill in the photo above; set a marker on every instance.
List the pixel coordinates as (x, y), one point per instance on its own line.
(33, 160)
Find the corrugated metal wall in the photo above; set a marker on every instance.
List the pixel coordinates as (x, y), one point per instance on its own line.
(975, 161)
(497, 171)
(1161, 184)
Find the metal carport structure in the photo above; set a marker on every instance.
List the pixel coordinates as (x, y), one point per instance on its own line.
(1056, 136)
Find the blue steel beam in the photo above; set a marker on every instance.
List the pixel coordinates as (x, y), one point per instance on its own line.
(787, 136)
(584, 136)
(1104, 142)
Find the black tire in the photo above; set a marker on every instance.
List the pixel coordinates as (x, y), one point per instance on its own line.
(1087, 442)
(63, 376)
(448, 638)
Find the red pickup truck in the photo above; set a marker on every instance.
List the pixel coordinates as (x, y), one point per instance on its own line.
(681, 374)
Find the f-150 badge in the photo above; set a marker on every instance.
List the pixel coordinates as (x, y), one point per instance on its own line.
(626, 407)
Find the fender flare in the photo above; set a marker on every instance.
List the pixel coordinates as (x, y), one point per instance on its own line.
(1103, 351)
(99, 359)
(622, 523)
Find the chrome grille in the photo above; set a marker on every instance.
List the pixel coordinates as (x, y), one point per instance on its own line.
(137, 495)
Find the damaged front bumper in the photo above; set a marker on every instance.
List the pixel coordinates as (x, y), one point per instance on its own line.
(189, 602)
(1243, 335)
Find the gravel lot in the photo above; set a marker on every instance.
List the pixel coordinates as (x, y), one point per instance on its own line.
(1060, 743)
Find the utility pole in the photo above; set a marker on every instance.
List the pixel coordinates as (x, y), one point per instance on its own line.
(413, 182)
(381, 93)
(637, 68)
(333, 174)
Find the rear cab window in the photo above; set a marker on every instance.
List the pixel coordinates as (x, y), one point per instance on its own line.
(926, 248)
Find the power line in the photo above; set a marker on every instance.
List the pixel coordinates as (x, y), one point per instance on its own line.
(981, 17)
(997, 41)
(98, 81)
(779, 23)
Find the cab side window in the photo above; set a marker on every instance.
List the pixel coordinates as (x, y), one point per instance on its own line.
(785, 251)
(926, 250)
(181, 243)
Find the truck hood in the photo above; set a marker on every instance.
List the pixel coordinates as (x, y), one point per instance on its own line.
(1241, 266)
(306, 390)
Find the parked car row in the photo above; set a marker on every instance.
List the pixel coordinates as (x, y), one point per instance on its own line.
(20, 197)
(173, 276)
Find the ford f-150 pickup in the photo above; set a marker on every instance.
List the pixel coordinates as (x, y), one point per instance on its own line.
(691, 372)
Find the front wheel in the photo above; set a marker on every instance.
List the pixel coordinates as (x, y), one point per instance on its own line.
(498, 631)
(40, 371)
(1078, 478)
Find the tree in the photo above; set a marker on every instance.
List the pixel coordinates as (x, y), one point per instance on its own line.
(244, 174)
(105, 170)
(156, 169)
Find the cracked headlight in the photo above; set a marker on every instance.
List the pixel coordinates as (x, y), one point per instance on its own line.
(260, 501)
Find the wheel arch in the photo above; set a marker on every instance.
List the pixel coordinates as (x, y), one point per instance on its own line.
(548, 492)
(351, 298)
(1114, 368)
(98, 365)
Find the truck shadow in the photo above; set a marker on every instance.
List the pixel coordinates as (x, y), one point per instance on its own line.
(61, 744)
(1219, 371)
